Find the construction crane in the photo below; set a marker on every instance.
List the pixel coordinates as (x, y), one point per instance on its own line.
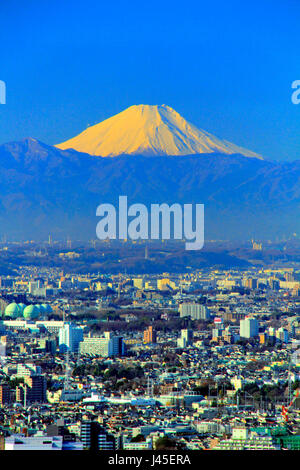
(285, 409)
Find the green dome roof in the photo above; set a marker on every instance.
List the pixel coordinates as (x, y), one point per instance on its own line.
(31, 312)
(12, 310)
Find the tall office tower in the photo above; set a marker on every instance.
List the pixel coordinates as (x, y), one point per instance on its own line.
(115, 344)
(195, 311)
(48, 344)
(150, 335)
(282, 334)
(248, 328)
(69, 338)
(94, 437)
(5, 394)
(186, 338)
(33, 390)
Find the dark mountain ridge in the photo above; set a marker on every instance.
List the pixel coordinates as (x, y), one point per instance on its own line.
(47, 190)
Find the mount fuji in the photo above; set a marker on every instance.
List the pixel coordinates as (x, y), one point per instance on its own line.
(149, 131)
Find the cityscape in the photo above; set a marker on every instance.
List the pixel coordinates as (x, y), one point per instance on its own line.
(206, 359)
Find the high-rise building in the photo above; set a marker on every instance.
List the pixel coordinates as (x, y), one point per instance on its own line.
(33, 390)
(5, 394)
(69, 338)
(195, 311)
(94, 437)
(107, 346)
(248, 328)
(49, 344)
(185, 339)
(283, 335)
(150, 335)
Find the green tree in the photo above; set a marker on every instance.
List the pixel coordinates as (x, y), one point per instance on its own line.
(165, 443)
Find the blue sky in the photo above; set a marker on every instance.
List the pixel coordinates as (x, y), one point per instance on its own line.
(225, 66)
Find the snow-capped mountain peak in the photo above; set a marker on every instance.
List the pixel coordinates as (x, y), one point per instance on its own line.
(149, 130)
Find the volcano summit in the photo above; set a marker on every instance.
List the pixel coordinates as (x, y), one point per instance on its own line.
(149, 131)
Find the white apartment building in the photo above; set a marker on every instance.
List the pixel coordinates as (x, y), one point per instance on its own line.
(248, 328)
(106, 346)
(70, 337)
(195, 311)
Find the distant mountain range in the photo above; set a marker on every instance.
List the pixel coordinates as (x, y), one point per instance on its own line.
(47, 190)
